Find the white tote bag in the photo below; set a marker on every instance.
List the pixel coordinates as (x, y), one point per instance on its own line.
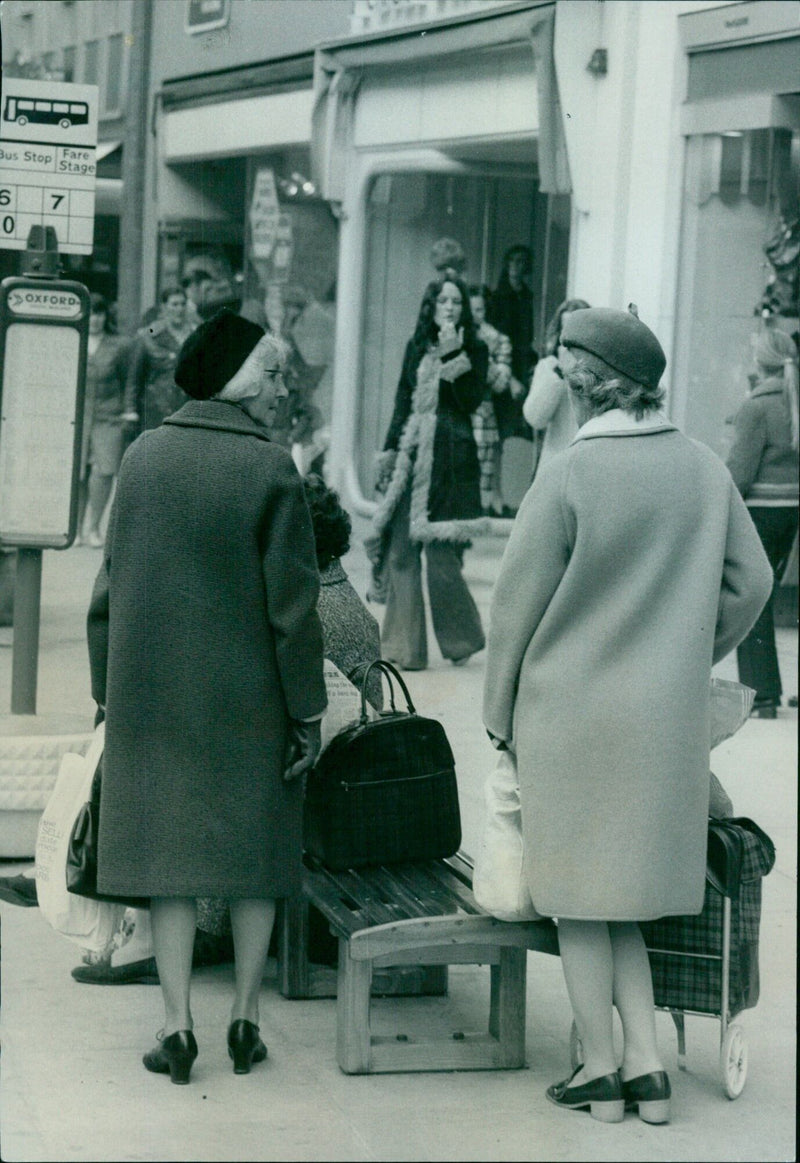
(498, 880)
(90, 924)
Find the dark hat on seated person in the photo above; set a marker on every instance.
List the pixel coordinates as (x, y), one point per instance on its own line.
(619, 339)
(214, 352)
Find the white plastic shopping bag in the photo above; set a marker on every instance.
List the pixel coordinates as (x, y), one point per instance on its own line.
(498, 880)
(90, 924)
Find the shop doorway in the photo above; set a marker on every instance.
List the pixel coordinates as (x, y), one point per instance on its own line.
(487, 208)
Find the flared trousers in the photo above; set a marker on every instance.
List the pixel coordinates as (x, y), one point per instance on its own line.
(456, 621)
(757, 655)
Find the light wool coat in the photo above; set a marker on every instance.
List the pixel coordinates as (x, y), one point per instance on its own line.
(633, 565)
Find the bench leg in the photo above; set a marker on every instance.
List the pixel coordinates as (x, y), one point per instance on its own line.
(507, 1007)
(294, 978)
(352, 1012)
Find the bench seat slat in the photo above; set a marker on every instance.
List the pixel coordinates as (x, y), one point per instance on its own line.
(452, 883)
(407, 891)
(419, 932)
(422, 881)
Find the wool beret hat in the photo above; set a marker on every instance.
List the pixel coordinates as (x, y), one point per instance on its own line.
(619, 339)
(214, 352)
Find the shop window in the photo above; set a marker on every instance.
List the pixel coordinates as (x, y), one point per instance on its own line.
(486, 215)
(739, 242)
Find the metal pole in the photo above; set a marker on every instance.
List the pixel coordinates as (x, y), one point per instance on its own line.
(25, 661)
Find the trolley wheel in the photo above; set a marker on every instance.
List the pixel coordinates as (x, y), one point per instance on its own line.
(575, 1047)
(733, 1061)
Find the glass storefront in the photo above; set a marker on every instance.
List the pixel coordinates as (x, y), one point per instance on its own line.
(741, 196)
(407, 212)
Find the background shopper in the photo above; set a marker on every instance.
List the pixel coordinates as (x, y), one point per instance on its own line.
(546, 407)
(430, 478)
(764, 464)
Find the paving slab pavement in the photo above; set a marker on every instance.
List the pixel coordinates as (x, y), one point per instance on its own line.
(72, 1086)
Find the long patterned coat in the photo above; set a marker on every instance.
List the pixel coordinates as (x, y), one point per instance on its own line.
(204, 639)
(633, 565)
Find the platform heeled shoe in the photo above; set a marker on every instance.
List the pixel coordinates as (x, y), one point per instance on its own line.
(244, 1045)
(651, 1094)
(175, 1056)
(602, 1096)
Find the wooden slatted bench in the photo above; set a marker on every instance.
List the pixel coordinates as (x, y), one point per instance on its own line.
(417, 915)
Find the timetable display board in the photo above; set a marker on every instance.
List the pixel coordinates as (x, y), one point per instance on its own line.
(48, 143)
(43, 339)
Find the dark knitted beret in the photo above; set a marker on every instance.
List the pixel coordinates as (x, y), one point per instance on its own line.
(213, 354)
(619, 339)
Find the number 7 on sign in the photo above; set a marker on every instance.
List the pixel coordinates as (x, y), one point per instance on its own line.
(56, 201)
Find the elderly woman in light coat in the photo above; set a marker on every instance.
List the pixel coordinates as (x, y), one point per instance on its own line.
(633, 566)
(206, 653)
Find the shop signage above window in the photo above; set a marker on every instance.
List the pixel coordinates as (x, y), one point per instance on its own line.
(381, 15)
(203, 15)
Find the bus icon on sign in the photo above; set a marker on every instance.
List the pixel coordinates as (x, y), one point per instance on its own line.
(62, 113)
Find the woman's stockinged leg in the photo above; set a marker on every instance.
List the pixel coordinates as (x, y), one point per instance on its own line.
(251, 921)
(99, 492)
(633, 997)
(173, 921)
(587, 961)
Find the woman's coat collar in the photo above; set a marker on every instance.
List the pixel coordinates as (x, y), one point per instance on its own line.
(218, 415)
(617, 422)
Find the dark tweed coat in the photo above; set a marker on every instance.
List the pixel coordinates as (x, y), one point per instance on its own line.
(203, 639)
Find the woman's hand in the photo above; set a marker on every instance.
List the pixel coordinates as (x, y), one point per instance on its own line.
(304, 745)
(384, 468)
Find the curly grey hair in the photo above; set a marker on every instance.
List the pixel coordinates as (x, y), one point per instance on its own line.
(602, 391)
(245, 387)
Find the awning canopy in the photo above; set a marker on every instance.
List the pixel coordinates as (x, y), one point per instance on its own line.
(490, 74)
(231, 128)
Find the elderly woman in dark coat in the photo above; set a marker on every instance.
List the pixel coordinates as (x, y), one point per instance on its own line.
(430, 478)
(632, 566)
(206, 651)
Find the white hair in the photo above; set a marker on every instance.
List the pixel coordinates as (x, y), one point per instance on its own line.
(246, 383)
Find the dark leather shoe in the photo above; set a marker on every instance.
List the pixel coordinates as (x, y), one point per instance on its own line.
(244, 1045)
(768, 709)
(144, 972)
(651, 1094)
(19, 890)
(174, 1056)
(603, 1096)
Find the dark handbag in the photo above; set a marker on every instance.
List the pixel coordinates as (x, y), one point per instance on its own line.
(383, 790)
(82, 852)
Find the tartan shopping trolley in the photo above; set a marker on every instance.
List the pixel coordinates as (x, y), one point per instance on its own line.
(708, 964)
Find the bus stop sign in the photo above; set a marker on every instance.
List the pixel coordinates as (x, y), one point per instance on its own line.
(43, 337)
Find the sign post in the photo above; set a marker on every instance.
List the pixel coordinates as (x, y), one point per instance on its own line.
(44, 324)
(48, 139)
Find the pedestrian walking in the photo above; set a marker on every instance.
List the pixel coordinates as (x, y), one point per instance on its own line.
(151, 393)
(546, 406)
(104, 430)
(484, 421)
(511, 312)
(430, 479)
(632, 566)
(764, 464)
(205, 649)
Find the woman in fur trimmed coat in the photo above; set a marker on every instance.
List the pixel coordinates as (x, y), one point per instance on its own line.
(430, 479)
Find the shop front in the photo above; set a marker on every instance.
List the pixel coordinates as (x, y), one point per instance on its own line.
(427, 132)
(740, 232)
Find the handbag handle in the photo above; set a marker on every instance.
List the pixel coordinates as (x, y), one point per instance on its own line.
(386, 668)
